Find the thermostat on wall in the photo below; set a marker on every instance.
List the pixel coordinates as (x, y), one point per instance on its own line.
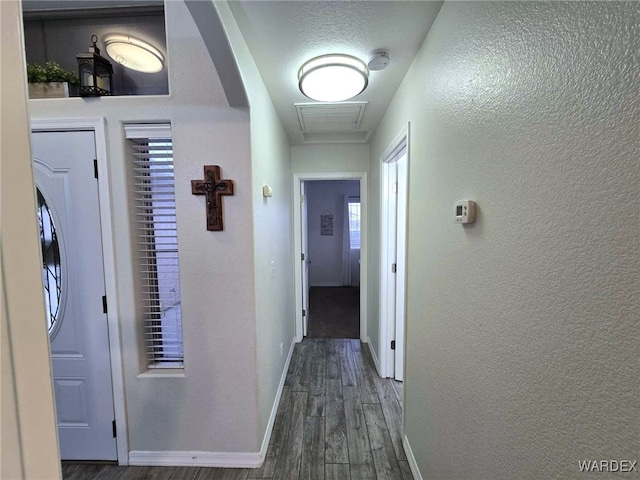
(465, 211)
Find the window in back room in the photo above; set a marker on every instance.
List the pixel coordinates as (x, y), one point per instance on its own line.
(59, 31)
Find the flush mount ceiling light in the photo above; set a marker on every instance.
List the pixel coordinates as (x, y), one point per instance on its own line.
(133, 53)
(333, 78)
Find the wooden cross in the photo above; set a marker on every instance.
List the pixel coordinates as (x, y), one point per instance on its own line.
(213, 188)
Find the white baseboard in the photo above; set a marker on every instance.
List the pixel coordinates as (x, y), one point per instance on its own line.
(196, 459)
(376, 362)
(276, 402)
(216, 459)
(411, 459)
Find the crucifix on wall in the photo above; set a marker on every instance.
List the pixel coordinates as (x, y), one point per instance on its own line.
(213, 187)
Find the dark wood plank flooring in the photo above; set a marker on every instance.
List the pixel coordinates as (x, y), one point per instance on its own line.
(337, 420)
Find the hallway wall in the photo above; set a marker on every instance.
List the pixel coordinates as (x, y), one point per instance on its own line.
(272, 238)
(330, 158)
(522, 335)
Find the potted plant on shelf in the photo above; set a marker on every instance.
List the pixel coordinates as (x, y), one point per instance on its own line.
(51, 81)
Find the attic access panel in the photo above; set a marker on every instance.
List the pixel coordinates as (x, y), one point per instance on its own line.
(330, 117)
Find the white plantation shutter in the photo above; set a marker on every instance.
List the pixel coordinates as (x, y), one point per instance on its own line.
(155, 220)
(353, 209)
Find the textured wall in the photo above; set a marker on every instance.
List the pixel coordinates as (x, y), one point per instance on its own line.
(330, 158)
(522, 335)
(273, 263)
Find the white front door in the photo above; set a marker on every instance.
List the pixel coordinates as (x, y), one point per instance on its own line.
(73, 275)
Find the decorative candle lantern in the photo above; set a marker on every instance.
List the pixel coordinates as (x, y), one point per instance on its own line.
(95, 72)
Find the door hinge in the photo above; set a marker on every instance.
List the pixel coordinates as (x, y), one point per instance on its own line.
(104, 304)
(113, 426)
(304, 312)
(395, 187)
(302, 257)
(393, 344)
(394, 267)
(95, 168)
(301, 198)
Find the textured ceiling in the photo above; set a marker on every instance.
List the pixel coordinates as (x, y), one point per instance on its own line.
(282, 35)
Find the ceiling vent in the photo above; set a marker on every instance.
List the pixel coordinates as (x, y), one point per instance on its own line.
(330, 117)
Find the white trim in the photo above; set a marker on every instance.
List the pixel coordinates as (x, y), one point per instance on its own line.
(276, 402)
(374, 357)
(411, 459)
(163, 373)
(386, 332)
(392, 150)
(97, 125)
(138, 130)
(195, 459)
(297, 275)
(326, 284)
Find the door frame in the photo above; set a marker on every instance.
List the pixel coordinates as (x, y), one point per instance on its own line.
(304, 266)
(98, 126)
(297, 239)
(387, 325)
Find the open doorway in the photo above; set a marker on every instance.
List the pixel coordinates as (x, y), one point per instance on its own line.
(333, 234)
(331, 243)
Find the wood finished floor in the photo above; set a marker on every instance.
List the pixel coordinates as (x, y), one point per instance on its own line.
(337, 420)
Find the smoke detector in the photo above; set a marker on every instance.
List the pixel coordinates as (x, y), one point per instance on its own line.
(379, 59)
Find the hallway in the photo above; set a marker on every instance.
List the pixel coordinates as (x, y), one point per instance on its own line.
(336, 420)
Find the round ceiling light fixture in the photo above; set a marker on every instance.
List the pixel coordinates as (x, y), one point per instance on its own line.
(133, 53)
(333, 78)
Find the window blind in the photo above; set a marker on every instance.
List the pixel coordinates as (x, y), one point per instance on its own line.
(156, 233)
(353, 209)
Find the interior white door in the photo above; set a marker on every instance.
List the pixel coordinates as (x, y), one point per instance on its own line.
(401, 255)
(305, 261)
(74, 284)
(390, 263)
(394, 238)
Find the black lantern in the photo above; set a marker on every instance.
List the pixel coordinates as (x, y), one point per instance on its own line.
(95, 72)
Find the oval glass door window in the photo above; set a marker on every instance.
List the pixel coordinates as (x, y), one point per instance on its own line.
(51, 264)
